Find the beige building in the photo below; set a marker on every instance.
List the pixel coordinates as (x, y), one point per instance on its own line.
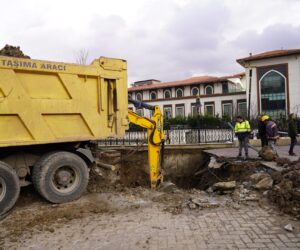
(218, 96)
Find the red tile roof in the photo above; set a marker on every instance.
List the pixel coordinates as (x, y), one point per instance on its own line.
(268, 54)
(192, 80)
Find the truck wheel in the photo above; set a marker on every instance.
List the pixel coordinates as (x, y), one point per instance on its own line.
(9, 188)
(60, 176)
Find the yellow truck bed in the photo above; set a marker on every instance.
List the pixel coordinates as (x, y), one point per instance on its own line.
(48, 102)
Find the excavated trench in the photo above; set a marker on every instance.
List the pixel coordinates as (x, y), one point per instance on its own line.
(186, 168)
(193, 168)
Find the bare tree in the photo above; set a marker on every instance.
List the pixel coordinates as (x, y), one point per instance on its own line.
(81, 56)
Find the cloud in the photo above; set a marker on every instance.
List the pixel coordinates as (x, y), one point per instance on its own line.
(278, 36)
(167, 40)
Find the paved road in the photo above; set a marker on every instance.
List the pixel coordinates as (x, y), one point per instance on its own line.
(232, 152)
(151, 226)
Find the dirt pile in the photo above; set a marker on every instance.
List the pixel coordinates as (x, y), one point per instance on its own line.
(286, 190)
(267, 154)
(13, 51)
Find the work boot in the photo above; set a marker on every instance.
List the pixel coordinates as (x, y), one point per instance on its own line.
(292, 154)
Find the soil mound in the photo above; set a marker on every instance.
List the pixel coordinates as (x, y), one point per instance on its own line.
(13, 51)
(286, 191)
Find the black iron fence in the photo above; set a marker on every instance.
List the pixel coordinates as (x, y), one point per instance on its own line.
(175, 136)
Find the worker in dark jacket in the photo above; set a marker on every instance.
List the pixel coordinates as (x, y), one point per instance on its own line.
(262, 131)
(242, 131)
(292, 132)
(271, 132)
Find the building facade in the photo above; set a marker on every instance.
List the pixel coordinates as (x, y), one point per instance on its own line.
(273, 82)
(194, 96)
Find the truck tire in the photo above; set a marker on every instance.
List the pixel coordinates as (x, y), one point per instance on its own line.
(9, 188)
(60, 176)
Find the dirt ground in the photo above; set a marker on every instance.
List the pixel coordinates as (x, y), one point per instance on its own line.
(36, 224)
(113, 196)
(34, 217)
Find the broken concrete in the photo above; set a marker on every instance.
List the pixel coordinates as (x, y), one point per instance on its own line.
(289, 228)
(258, 176)
(228, 185)
(264, 184)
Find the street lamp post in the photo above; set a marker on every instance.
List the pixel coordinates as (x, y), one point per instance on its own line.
(198, 105)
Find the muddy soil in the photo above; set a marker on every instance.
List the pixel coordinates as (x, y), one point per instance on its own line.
(286, 190)
(13, 51)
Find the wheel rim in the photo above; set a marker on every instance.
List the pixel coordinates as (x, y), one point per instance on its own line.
(2, 189)
(65, 179)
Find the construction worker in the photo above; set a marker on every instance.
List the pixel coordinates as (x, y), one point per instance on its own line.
(271, 132)
(262, 131)
(292, 125)
(242, 131)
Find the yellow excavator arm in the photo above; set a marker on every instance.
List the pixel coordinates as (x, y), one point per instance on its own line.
(156, 138)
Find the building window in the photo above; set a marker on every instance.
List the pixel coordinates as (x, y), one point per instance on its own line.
(195, 91)
(153, 95)
(225, 88)
(179, 110)
(167, 94)
(209, 109)
(139, 96)
(227, 109)
(140, 112)
(179, 93)
(129, 96)
(209, 90)
(272, 90)
(168, 111)
(242, 108)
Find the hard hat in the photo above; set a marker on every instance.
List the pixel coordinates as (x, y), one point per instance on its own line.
(265, 117)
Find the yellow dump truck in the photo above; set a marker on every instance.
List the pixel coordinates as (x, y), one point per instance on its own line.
(49, 113)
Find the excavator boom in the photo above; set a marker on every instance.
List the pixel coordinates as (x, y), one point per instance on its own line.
(156, 139)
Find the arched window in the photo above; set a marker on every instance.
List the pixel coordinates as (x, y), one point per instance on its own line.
(167, 94)
(179, 93)
(139, 97)
(195, 91)
(272, 94)
(153, 95)
(209, 90)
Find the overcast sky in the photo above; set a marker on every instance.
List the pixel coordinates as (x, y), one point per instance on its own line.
(161, 39)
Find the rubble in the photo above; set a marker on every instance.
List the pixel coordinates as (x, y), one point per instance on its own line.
(286, 192)
(228, 185)
(289, 228)
(213, 163)
(13, 51)
(283, 162)
(202, 203)
(264, 184)
(258, 176)
(242, 182)
(267, 154)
